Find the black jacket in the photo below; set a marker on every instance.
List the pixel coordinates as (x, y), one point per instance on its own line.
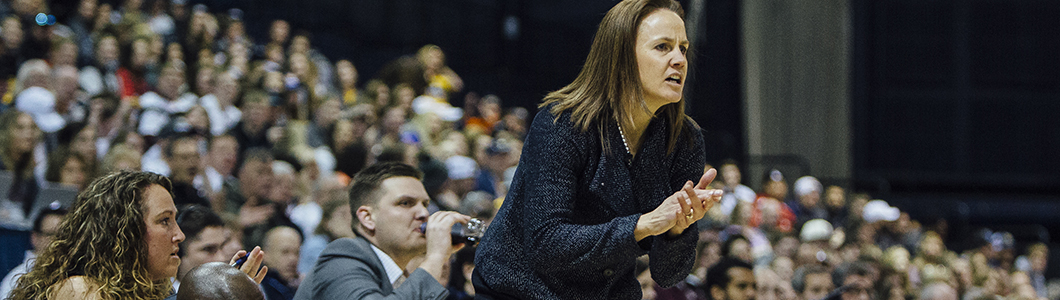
(565, 230)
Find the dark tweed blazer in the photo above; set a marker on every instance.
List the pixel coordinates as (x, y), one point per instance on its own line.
(565, 230)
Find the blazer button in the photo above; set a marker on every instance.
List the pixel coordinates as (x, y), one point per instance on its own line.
(609, 272)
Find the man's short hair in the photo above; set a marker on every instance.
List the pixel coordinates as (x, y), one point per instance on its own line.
(363, 190)
(841, 272)
(718, 275)
(193, 219)
(798, 280)
(39, 221)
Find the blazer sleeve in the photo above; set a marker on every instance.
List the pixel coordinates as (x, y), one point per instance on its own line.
(673, 258)
(349, 278)
(555, 159)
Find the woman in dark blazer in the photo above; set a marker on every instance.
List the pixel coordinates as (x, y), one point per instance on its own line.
(606, 173)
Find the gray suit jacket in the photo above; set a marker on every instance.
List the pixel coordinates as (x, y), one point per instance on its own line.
(349, 269)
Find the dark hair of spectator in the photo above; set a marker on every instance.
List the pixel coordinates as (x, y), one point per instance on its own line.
(39, 221)
(718, 275)
(841, 272)
(57, 161)
(193, 219)
(798, 280)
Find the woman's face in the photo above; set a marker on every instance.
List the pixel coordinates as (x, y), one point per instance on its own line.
(73, 173)
(108, 50)
(24, 135)
(163, 236)
(85, 143)
(661, 45)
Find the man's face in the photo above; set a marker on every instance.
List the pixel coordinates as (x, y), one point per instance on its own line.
(860, 288)
(817, 286)
(49, 226)
(397, 216)
(184, 161)
(204, 248)
(255, 178)
(741, 286)
(283, 245)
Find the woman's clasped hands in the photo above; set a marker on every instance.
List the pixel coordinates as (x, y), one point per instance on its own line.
(680, 210)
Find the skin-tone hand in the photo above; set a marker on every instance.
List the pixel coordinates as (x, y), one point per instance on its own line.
(250, 267)
(680, 210)
(439, 241)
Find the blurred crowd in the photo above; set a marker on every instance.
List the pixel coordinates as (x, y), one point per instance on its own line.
(811, 242)
(260, 135)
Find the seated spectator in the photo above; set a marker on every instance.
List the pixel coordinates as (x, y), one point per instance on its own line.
(812, 282)
(218, 281)
(808, 201)
(391, 205)
(856, 280)
(126, 210)
(185, 168)
(205, 235)
(282, 243)
(18, 138)
(734, 190)
(68, 168)
(45, 227)
(161, 106)
(731, 279)
(335, 224)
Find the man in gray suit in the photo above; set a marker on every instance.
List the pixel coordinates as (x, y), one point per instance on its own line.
(390, 204)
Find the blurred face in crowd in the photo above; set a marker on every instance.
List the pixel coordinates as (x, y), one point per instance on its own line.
(835, 198)
(343, 135)
(170, 82)
(24, 135)
(328, 112)
(64, 55)
(66, 87)
(255, 116)
(87, 9)
(141, 53)
(163, 236)
(347, 73)
(184, 161)
(817, 285)
(73, 173)
(299, 44)
(227, 89)
(299, 66)
(205, 248)
(282, 188)
(256, 178)
(12, 33)
(282, 244)
(84, 143)
(49, 226)
(279, 31)
(730, 175)
(660, 46)
(741, 286)
(861, 288)
(204, 79)
(198, 118)
(223, 154)
(107, 50)
(341, 222)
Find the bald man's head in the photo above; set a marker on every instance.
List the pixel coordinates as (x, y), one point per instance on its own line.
(219, 281)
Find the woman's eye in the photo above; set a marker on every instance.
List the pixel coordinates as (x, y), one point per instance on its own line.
(663, 47)
(684, 49)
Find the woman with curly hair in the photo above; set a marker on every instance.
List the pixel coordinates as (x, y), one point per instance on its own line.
(120, 241)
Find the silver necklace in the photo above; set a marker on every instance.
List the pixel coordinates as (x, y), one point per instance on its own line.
(623, 134)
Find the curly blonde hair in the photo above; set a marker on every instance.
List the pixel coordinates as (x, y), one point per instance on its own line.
(101, 239)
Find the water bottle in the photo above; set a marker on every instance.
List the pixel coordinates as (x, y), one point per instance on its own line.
(469, 234)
